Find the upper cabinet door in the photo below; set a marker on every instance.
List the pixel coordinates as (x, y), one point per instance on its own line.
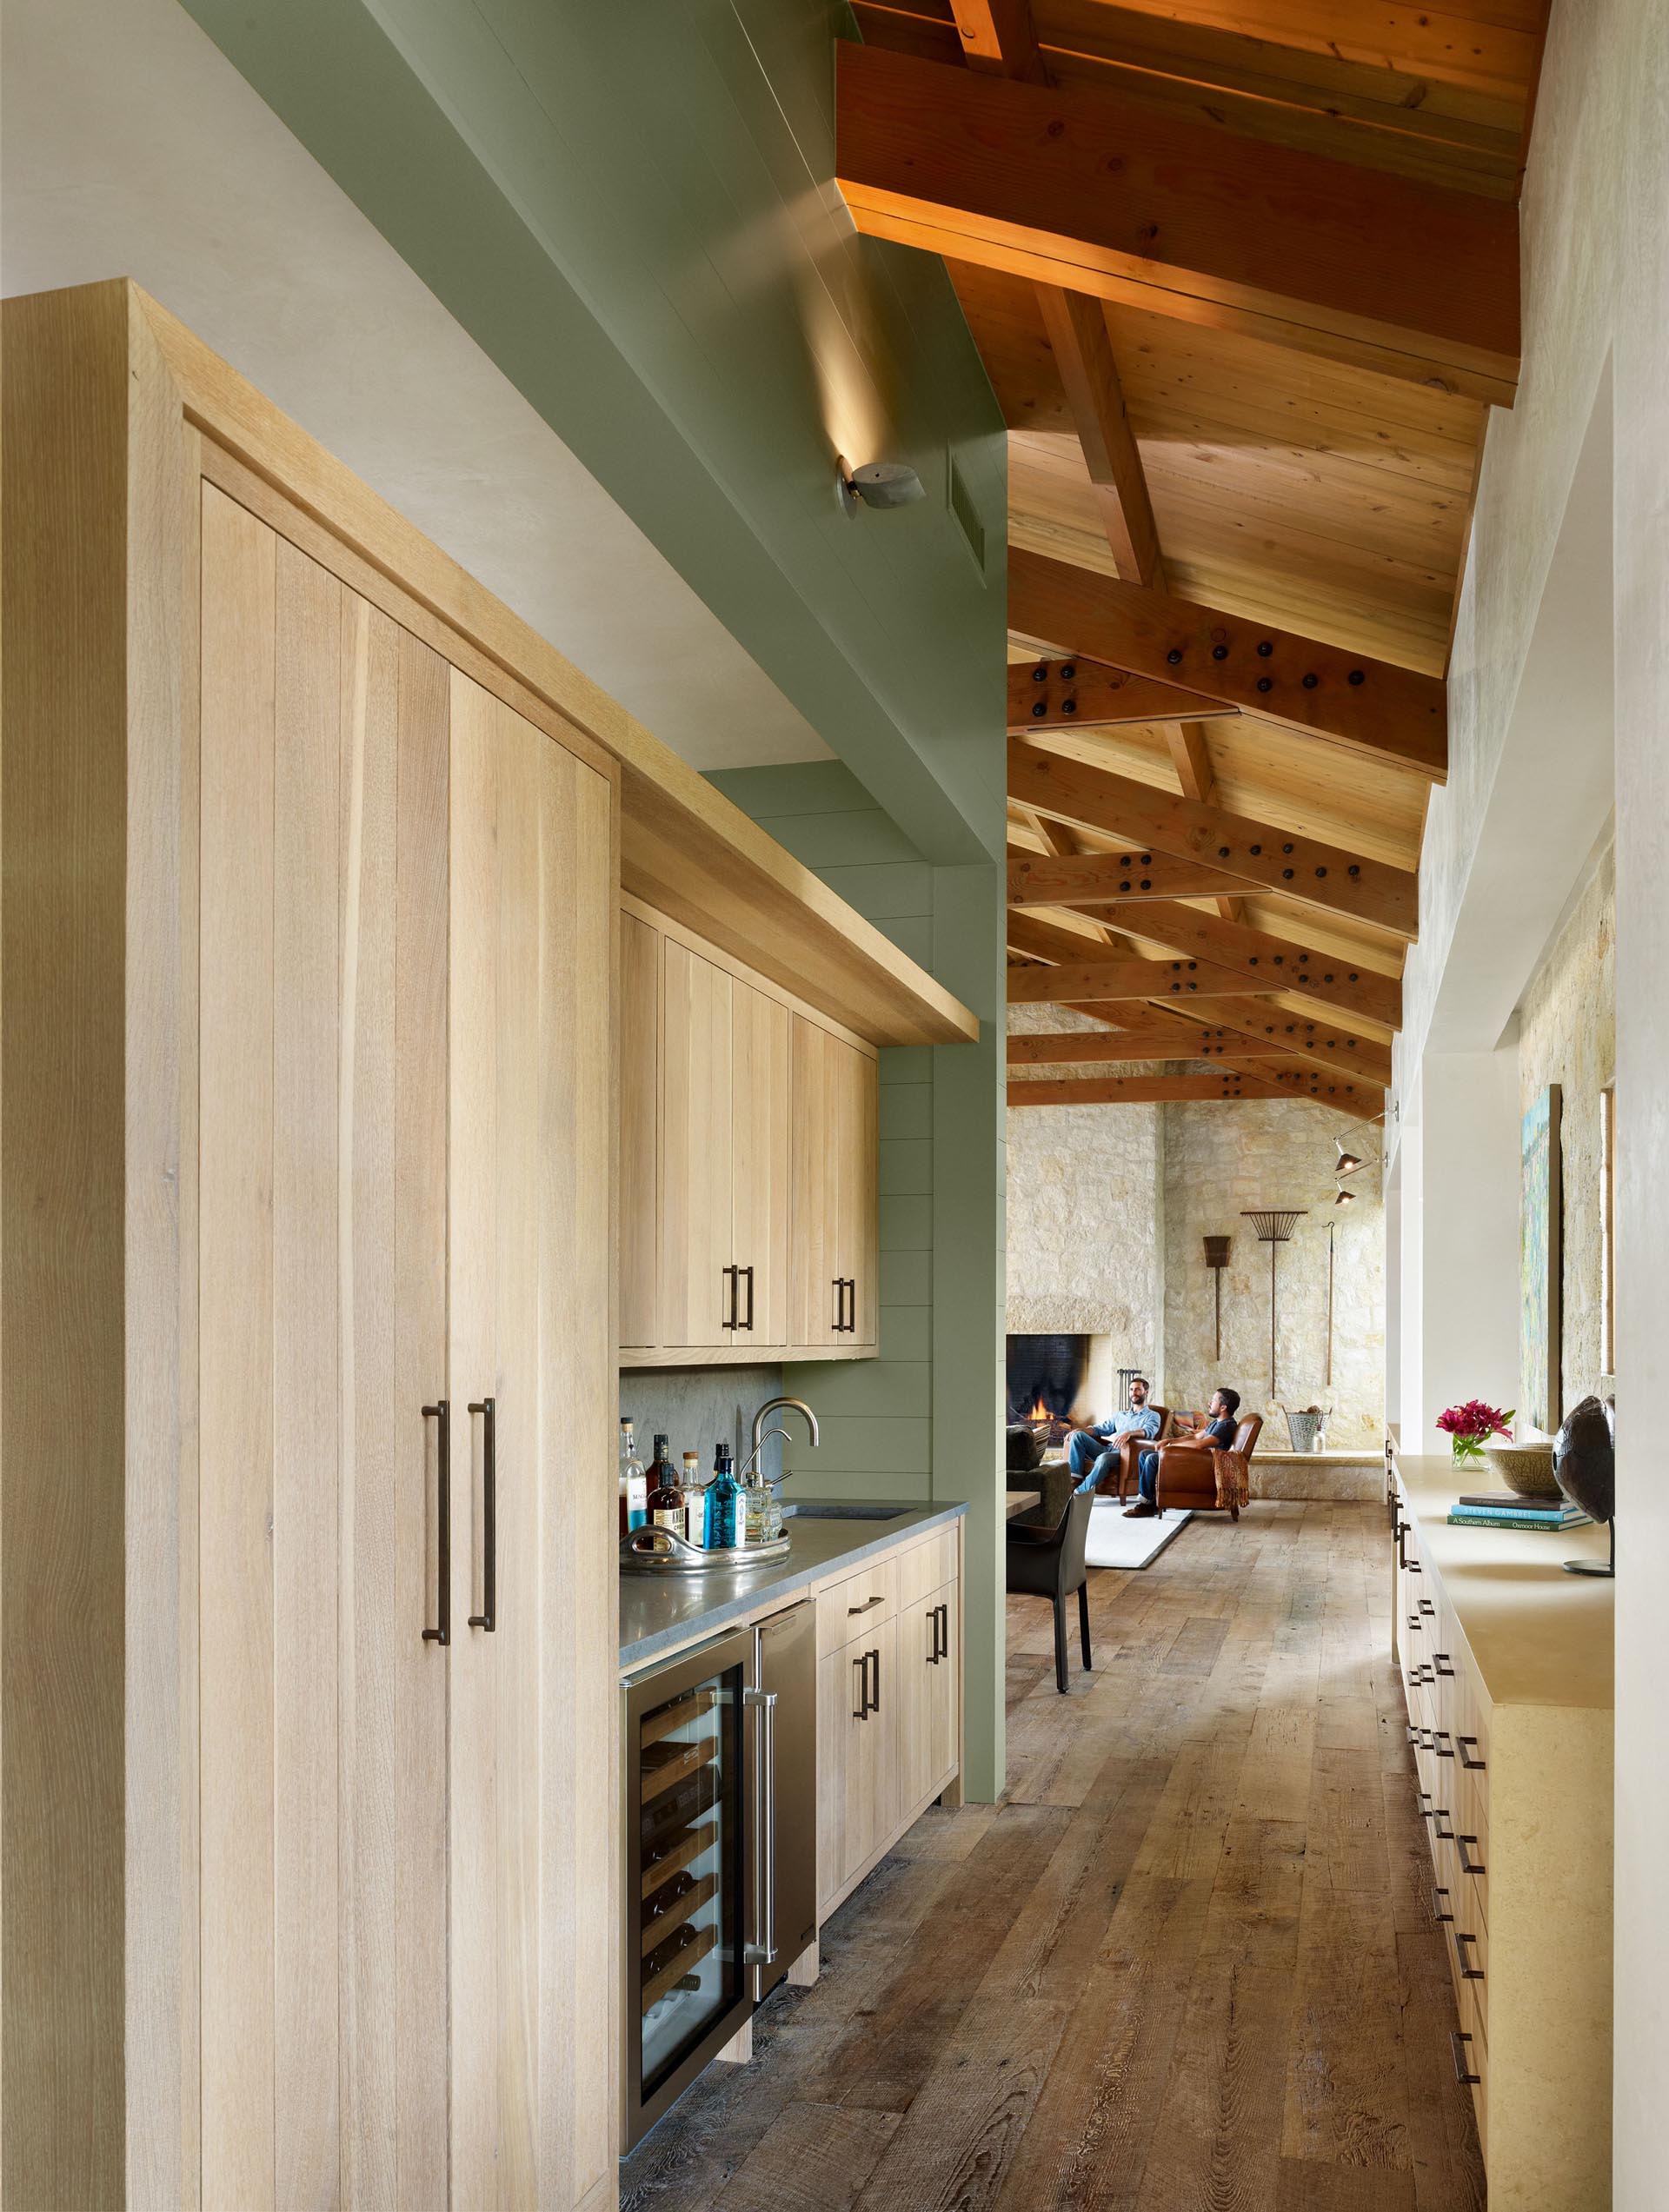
(819, 1292)
(640, 1133)
(530, 1374)
(320, 1724)
(759, 1165)
(859, 1149)
(700, 1294)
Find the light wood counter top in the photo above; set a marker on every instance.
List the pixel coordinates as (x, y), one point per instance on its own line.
(1537, 1636)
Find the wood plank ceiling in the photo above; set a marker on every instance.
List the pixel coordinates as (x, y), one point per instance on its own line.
(1244, 276)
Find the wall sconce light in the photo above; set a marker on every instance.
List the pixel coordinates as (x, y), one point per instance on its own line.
(878, 484)
(1347, 1161)
(1342, 1197)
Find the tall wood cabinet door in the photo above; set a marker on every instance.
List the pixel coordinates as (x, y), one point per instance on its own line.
(859, 1148)
(698, 1296)
(817, 1295)
(530, 1369)
(321, 1728)
(920, 1666)
(758, 1163)
(640, 1131)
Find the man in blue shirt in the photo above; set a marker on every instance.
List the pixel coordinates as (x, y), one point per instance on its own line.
(1094, 1452)
(1222, 1423)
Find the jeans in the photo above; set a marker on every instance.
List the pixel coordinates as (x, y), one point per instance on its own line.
(1148, 1476)
(1091, 1458)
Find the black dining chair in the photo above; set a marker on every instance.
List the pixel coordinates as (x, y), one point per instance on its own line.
(1049, 1563)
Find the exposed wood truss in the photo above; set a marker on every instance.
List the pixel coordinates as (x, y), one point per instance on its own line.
(1229, 1083)
(1083, 692)
(1350, 698)
(1088, 190)
(1244, 280)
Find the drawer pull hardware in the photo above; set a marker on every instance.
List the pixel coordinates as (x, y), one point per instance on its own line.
(1468, 1744)
(1402, 1531)
(443, 1413)
(874, 1695)
(861, 1663)
(1415, 1622)
(1439, 1897)
(867, 1606)
(1468, 1865)
(1463, 2072)
(1439, 1740)
(1427, 1607)
(1438, 1819)
(487, 1407)
(1441, 1661)
(938, 1623)
(1425, 1804)
(1468, 1972)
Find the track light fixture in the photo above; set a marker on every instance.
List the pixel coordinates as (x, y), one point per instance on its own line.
(879, 484)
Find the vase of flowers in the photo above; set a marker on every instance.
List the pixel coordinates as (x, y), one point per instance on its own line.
(1468, 1426)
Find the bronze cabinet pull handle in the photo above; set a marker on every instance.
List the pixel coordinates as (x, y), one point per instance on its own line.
(875, 1702)
(1468, 1865)
(1440, 1738)
(1415, 1622)
(1427, 1607)
(1425, 1804)
(1440, 1659)
(1438, 1819)
(1471, 1973)
(442, 1411)
(1438, 1913)
(748, 1272)
(839, 1304)
(1475, 1766)
(867, 1606)
(851, 1305)
(861, 1663)
(1463, 2072)
(487, 1407)
(733, 1276)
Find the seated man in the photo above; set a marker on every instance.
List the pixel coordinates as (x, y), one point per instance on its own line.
(1221, 1423)
(1094, 1452)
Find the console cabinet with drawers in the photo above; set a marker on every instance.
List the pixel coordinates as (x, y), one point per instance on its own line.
(1506, 1667)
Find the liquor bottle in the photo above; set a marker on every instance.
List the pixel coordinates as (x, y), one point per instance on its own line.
(755, 1509)
(634, 1486)
(666, 1499)
(694, 1501)
(723, 1532)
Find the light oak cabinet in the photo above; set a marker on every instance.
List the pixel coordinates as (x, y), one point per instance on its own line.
(748, 1150)
(309, 979)
(890, 1706)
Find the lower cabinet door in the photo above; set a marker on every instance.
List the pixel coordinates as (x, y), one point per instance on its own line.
(859, 1709)
(928, 1658)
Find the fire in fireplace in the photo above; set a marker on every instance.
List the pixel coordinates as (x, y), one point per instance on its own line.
(1046, 1378)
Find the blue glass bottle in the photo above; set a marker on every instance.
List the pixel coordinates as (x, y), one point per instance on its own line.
(721, 1504)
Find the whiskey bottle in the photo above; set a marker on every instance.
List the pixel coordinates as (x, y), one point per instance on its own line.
(666, 1498)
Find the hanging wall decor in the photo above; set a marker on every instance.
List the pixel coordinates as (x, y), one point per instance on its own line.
(1217, 1259)
(1275, 1226)
(1540, 1267)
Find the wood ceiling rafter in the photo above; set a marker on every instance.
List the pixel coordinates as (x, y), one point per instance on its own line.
(1304, 972)
(1091, 880)
(1075, 187)
(1085, 693)
(1226, 1086)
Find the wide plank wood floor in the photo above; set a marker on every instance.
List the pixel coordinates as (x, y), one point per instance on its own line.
(1187, 1965)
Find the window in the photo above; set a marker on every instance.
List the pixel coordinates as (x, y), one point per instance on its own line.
(1607, 1224)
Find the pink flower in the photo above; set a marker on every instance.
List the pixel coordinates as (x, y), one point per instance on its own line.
(1475, 1419)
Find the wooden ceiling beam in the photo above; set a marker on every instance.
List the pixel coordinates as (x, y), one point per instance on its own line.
(1089, 695)
(1076, 188)
(1140, 1090)
(1349, 698)
(1070, 1047)
(1063, 982)
(1261, 1021)
(999, 37)
(1094, 880)
(1271, 859)
(1076, 328)
(1271, 962)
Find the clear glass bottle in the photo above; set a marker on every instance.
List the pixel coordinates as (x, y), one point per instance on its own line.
(666, 1496)
(695, 1500)
(633, 1484)
(723, 1533)
(755, 1509)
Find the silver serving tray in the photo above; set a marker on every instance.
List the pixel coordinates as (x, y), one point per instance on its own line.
(651, 1550)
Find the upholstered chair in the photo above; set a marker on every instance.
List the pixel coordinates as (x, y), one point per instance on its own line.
(1187, 1473)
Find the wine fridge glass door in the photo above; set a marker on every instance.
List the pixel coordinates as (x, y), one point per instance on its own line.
(686, 1847)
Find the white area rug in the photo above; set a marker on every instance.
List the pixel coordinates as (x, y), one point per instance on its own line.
(1114, 1542)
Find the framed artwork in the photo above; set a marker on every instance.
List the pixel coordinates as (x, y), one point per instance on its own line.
(1539, 1268)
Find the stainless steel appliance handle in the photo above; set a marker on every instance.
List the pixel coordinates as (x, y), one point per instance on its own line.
(763, 1952)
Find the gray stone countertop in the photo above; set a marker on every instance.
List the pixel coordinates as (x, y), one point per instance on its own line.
(657, 1614)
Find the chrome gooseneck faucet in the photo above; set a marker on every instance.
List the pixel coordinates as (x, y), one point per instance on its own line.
(760, 1432)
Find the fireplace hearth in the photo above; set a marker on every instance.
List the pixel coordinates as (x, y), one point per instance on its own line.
(1046, 1376)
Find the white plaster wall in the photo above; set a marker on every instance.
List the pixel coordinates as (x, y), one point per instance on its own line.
(1595, 225)
(1221, 1159)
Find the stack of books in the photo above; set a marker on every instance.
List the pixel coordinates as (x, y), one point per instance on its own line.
(1505, 1509)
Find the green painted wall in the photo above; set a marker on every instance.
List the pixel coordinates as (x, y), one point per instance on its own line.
(923, 1420)
(629, 205)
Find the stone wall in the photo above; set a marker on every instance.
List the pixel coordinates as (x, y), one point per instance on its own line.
(1085, 1209)
(1268, 1153)
(1567, 1035)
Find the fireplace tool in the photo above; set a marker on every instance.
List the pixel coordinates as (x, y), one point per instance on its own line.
(1217, 1259)
(1275, 1226)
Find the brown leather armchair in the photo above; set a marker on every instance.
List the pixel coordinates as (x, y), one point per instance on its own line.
(1187, 1474)
(1131, 1449)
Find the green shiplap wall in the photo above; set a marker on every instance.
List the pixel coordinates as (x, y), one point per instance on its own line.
(921, 1422)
